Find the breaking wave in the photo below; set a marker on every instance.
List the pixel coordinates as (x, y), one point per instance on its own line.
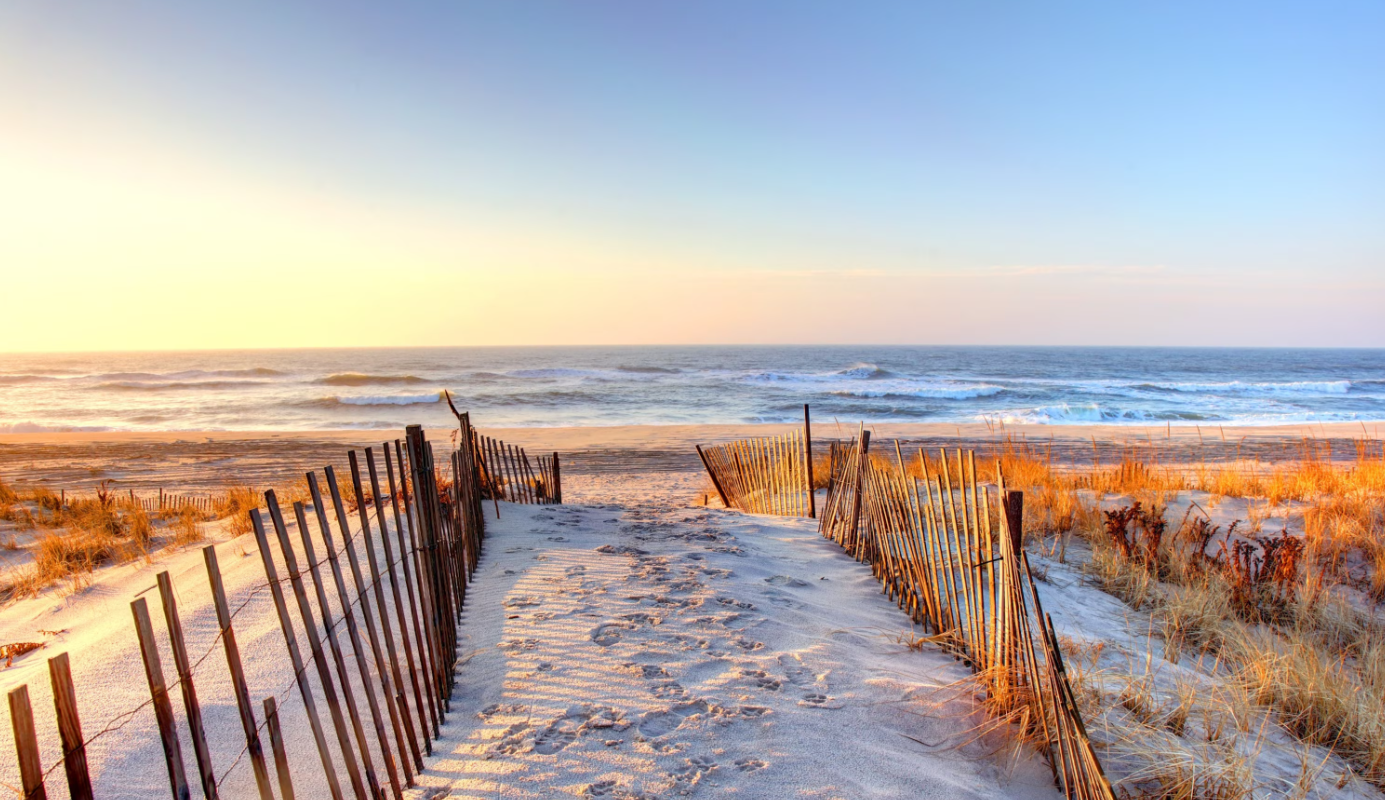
(34, 427)
(362, 379)
(143, 386)
(1239, 387)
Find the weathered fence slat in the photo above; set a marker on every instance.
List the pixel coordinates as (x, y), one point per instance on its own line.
(69, 728)
(237, 670)
(276, 742)
(26, 744)
(189, 691)
(163, 709)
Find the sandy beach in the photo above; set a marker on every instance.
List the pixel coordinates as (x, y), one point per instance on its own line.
(201, 461)
(631, 643)
(627, 644)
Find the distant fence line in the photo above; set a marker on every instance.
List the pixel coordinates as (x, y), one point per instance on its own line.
(163, 501)
(942, 554)
(419, 552)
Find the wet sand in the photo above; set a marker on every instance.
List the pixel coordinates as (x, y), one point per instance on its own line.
(210, 460)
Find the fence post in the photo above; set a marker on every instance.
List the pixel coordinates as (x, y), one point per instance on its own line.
(184, 668)
(276, 742)
(1014, 518)
(26, 744)
(233, 663)
(862, 448)
(808, 462)
(713, 474)
(70, 728)
(163, 709)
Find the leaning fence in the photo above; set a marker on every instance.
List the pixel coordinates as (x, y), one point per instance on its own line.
(942, 555)
(765, 475)
(374, 661)
(505, 471)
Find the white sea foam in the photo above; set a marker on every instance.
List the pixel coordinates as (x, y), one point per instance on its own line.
(34, 427)
(1265, 388)
(941, 391)
(390, 399)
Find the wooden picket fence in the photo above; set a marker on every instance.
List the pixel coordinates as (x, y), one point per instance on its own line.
(934, 547)
(420, 552)
(507, 473)
(165, 501)
(765, 475)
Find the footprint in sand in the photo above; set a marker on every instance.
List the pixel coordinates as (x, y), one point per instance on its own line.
(642, 618)
(693, 771)
(761, 679)
(609, 633)
(669, 690)
(562, 732)
(494, 710)
(816, 700)
(649, 671)
(622, 550)
(556, 736)
(750, 764)
(660, 723)
(614, 790)
(785, 580)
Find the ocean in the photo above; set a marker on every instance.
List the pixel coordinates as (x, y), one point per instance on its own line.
(557, 386)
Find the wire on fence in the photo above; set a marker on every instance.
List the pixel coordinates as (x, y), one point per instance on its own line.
(432, 548)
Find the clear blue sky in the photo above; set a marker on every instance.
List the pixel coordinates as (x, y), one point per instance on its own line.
(1084, 173)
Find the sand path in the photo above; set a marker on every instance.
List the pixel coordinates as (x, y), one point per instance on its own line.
(648, 650)
(630, 644)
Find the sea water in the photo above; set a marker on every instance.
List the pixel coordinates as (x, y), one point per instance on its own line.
(551, 386)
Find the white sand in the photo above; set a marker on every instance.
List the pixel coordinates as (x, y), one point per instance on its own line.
(648, 650)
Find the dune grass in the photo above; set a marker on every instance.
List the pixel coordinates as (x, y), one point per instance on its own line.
(1265, 609)
(74, 538)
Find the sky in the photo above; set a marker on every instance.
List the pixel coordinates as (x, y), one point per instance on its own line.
(275, 174)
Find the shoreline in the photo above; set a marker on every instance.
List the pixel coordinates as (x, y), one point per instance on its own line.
(208, 461)
(628, 435)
